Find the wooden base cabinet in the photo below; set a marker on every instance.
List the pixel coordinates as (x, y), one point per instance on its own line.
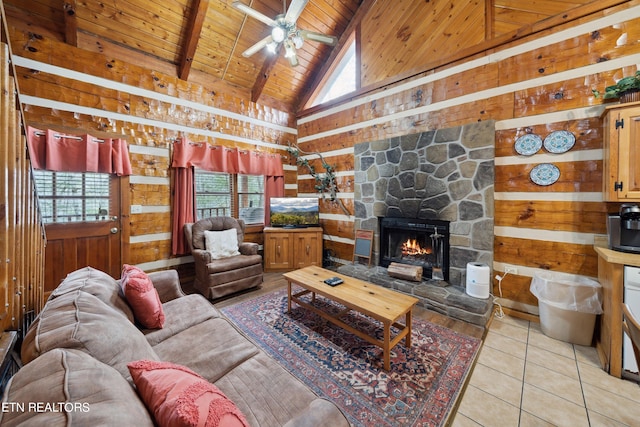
(292, 248)
(611, 277)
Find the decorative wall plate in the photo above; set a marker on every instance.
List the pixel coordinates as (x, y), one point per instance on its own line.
(528, 144)
(544, 174)
(559, 141)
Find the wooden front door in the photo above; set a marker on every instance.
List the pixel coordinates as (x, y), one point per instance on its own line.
(97, 243)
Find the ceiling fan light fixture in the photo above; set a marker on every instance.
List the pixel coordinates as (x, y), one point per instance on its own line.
(297, 41)
(272, 47)
(289, 50)
(284, 30)
(278, 34)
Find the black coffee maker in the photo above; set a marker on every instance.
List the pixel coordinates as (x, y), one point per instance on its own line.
(624, 229)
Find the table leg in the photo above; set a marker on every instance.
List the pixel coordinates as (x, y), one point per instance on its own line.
(289, 296)
(386, 347)
(407, 325)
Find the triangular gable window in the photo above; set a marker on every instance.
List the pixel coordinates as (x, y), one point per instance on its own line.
(343, 78)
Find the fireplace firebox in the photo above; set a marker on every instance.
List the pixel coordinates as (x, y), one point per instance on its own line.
(421, 242)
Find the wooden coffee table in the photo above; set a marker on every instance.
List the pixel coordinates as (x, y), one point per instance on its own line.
(379, 303)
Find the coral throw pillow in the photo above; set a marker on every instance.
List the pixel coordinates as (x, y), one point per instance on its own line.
(177, 396)
(142, 296)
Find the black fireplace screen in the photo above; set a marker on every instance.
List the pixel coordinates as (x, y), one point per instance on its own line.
(416, 242)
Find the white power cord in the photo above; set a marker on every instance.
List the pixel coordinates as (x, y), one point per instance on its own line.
(499, 313)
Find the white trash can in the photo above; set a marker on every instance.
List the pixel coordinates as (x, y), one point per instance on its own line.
(568, 305)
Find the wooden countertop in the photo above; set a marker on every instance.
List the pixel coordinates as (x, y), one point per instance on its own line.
(615, 257)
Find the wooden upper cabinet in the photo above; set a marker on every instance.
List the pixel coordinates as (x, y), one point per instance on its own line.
(622, 153)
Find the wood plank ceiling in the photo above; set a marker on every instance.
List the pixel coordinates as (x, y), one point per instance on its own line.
(202, 40)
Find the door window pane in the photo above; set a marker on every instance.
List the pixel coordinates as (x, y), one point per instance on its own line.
(73, 196)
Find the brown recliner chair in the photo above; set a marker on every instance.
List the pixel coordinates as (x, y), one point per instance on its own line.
(216, 278)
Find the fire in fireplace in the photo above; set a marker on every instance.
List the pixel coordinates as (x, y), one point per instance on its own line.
(421, 242)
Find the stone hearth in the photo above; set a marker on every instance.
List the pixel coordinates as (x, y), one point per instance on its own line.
(451, 301)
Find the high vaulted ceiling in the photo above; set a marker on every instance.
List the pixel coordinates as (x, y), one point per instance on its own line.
(202, 41)
(197, 40)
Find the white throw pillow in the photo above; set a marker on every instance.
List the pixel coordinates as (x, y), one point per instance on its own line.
(222, 244)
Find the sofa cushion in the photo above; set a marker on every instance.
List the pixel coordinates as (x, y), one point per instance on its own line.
(81, 321)
(177, 396)
(98, 284)
(211, 348)
(269, 396)
(142, 296)
(90, 392)
(180, 314)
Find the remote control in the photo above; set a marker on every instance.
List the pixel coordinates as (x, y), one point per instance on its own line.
(333, 281)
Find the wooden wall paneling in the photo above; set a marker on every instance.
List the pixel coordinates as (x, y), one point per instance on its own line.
(48, 86)
(574, 216)
(565, 95)
(149, 165)
(150, 251)
(5, 276)
(588, 133)
(342, 229)
(547, 255)
(21, 256)
(579, 176)
(344, 183)
(13, 201)
(494, 108)
(150, 223)
(290, 176)
(515, 288)
(339, 250)
(343, 162)
(150, 194)
(333, 207)
(50, 51)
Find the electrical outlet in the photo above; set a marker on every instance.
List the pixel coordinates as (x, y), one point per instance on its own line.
(508, 269)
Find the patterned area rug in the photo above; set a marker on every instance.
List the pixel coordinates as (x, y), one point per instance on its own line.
(420, 390)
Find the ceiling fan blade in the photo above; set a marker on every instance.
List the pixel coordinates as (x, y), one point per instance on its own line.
(254, 13)
(256, 47)
(318, 37)
(295, 9)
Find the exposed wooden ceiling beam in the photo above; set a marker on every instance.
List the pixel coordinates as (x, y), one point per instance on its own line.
(70, 22)
(196, 20)
(345, 38)
(265, 72)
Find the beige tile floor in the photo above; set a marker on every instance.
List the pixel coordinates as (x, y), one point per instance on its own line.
(524, 378)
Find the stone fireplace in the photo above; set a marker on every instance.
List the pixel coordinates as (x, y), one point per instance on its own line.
(442, 175)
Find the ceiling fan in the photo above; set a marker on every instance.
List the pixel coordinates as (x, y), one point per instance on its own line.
(284, 30)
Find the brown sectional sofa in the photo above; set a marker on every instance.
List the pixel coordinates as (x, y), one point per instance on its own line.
(76, 355)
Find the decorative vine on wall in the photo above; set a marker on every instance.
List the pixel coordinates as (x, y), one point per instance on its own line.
(325, 182)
